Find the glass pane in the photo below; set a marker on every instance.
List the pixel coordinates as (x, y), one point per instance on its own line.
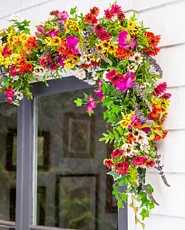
(73, 190)
(8, 145)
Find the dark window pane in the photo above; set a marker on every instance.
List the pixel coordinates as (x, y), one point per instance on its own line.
(8, 149)
(73, 190)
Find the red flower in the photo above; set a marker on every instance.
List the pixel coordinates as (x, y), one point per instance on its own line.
(116, 153)
(94, 11)
(113, 77)
(152, 39)
(155, 112)
(98, 29)
(90, 18)
(159, 89)
(153, 51)
(123, 53)
(122, 168)
(108, 162)
(166, 96)
(108, 14)
(139, 161)
(131, 137)
(121, 16)
(150, 163)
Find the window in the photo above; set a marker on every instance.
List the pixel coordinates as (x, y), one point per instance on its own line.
(58, 172)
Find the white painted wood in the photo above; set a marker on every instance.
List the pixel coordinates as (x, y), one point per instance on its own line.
(176, 114)
(171, 61)
(9, 7)
(29, 3)
(83, 5)
(145, 4)
(167, 21)
(158, 222)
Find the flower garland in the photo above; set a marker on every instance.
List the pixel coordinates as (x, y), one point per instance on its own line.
(115, 54)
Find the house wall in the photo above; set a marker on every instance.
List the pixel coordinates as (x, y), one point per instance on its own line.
(165, 17)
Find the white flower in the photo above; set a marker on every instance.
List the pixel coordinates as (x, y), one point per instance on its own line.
(129, 150)
(132, 67)
(39, 70)
(90, 82)
(95, 76)
(17, 17)
(19, 95)
(145, 148)
(80, 74)
(137, 58)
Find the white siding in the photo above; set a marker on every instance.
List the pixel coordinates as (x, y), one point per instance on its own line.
(165, 17)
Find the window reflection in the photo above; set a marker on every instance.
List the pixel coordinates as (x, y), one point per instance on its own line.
(8, 143)
(72, 190)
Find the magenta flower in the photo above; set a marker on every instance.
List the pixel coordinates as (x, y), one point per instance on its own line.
(126, 41)
(72, 43)
(9, 100)
(53, 33)
(116, 9)
(108, 14)
(126, 82)
(9, 92)
(159, 89)
(40, 29)
(104, 35)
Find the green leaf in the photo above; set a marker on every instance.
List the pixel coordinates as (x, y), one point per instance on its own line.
(149, 188)
(120, 204)
(124, 196)
(78, 102)
(158, 132)
(114, 174)
(144, 213)
(73, 10)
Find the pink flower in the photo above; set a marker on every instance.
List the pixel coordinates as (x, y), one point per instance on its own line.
(62, 16)
(109, 163)
(9, 92)
(116, 9)
(108, 14)
(116, 153)
(121, 16)
(122, 168)
(159, 89)
(13, 71)
(139, 161)
(125, 41)
(98, 29)
(104, 35)
(126, 82)
(9, 100)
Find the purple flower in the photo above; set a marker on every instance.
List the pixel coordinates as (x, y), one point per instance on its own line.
(126, 41)
(126, 82)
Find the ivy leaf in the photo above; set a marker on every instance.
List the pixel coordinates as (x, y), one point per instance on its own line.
(124, 196)
(144, 213)
(120, 204)
(149, 188)
(114, 174)
(73, 10)
(78, 102)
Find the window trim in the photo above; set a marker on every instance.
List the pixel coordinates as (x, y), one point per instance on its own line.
(26, 181)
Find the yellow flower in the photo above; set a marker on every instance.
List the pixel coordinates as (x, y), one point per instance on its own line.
(126, 120)
(100, 48)
(132, 28)
(15, 58)
(72, 24)
(55, 41)
(162, 104)
(71, 62)
(48, 41)
(10, 39)
(23, 38)
(112, 48)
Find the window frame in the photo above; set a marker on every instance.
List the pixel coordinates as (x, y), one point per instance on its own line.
(26, 178)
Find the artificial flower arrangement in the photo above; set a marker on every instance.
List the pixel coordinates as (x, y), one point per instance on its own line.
(116, 55)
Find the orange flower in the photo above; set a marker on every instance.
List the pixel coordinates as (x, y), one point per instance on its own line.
(123, 53)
